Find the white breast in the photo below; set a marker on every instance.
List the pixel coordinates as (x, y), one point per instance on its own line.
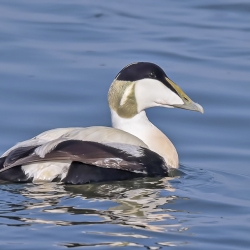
(156, 141)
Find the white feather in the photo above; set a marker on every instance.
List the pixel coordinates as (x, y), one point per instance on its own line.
(41, 138)
(46, 171)
(152, 93)
(47, 147)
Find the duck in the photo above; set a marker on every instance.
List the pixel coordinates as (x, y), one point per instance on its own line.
(132, 148)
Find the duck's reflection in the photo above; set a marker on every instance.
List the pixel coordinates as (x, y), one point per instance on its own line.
(137, 203)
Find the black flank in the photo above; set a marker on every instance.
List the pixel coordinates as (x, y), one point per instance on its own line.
(80, 173)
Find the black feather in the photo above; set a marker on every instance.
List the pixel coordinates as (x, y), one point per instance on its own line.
(80, 173)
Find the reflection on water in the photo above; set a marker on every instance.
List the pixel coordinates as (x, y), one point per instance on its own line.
(134, 213)
(139, 205)
(138, 202)
(134, 203)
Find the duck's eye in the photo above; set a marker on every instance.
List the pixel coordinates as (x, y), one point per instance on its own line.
(152, 75)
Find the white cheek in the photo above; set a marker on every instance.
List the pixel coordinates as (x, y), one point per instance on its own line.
(169, 98)
(151, 93)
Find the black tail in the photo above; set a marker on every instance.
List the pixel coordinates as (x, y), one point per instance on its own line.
(15, 174)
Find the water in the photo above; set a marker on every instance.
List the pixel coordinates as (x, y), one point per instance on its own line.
(57, 60)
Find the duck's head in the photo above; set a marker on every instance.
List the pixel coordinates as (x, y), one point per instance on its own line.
(143, 85)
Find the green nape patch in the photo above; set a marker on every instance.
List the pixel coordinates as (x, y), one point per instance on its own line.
(122, 98)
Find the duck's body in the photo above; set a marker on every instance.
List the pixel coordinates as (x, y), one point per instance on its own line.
(80, 155)
(134, 147)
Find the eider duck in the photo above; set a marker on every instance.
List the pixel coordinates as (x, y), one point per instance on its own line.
(133, 148)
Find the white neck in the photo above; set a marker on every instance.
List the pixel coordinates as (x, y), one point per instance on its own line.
(141, 127)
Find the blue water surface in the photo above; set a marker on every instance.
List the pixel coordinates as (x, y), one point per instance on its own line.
(57, 61)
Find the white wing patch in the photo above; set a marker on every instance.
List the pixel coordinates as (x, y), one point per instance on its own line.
(46, 171)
